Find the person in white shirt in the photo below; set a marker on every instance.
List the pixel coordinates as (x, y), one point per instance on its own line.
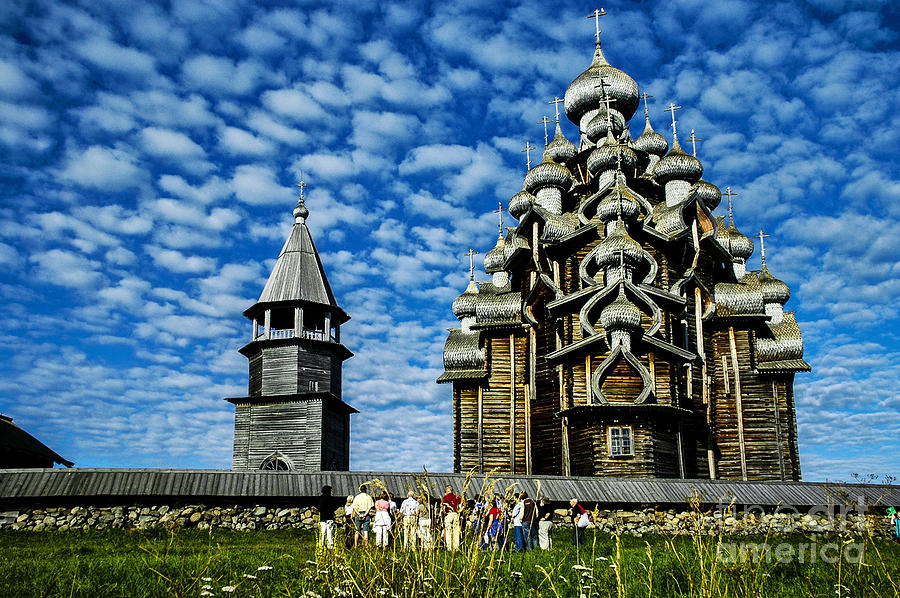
(518, 510)
(408, 510)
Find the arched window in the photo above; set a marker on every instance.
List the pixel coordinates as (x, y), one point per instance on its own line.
(276, 462)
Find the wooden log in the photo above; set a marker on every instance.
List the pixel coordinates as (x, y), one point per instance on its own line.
(480, 429)
(738, 401)
(512, 403)
(777, 424)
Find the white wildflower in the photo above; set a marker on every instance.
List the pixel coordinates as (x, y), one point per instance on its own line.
(264, 568)
(602, 558)
(515, 574)
(206, 578)
(206, 593)
(228, 589)
(206, 587)
(580, 568)
(248, 576)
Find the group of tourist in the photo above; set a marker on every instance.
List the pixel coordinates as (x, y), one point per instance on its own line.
(518, 521)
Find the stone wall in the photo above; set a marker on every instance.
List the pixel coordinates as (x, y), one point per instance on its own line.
(637, 522)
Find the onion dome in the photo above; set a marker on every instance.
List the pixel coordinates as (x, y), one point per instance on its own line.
(606, 157)
(560, 148)
(598, 126)
(706, 192)
(773, 290)
(548, 174)
(494, 259)
(677, 166)
(619, 246)
(621, 314)
(651, 142)
(584, 94)
(520, 203)
(740, 245)
(721, 231)
(609, 207)
(464, 305)
(301, 211)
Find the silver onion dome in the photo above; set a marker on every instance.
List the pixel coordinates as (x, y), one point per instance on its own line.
(609, 207)
(677, 166)
(706, 192)
(606, 157)
(464, 305)
(773, 290)
(651, 142)
(301, 211)
(740, 245)
(494, 259)
(621, 314)
(560, 148)
(520, 203)
(619, 246)
(584, 94)
(548, 174)
(598, 126)
(721, 231)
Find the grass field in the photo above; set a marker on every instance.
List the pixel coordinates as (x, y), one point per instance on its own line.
(287, 563)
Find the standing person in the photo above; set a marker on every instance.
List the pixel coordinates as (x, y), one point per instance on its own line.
(493, 533)
(326, 518)
(529, 521)
(895, 523)
(579, 522)
(450, 507)
(478, 513)
(408, 513)
(382, 523)
(362, 518)
(517, 512)
(545, 526)
(423, 514)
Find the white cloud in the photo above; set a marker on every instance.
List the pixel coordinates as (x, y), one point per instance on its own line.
(243, 143)
(170, 144)
(293, 104)
(218, 75)
(66, 269)
(255, 184)
(102, 168)
(111, 56)
(176, 261)
(14, 83)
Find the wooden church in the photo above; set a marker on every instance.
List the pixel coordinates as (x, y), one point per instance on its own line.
(621, 333)
(293, 417)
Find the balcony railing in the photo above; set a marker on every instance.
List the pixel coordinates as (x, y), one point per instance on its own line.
(316, 335)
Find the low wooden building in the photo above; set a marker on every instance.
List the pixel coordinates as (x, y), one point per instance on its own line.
(19, 449)
(621, 333)
(293, 417)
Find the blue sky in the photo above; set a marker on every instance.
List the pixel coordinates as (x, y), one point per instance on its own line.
(149, 153)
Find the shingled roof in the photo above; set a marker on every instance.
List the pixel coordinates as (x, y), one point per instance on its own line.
(298, 274)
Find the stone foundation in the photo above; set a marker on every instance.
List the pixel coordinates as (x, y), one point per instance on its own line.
(637, 522)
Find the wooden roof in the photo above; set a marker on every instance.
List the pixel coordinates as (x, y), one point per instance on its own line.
(197, 485)
(16, 441)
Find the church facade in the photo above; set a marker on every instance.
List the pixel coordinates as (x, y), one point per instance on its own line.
(621, 333)
(293, 417)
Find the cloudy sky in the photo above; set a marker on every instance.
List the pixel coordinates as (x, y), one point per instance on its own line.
(149, 153)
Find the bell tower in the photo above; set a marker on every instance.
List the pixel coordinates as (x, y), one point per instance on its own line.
(293, 417)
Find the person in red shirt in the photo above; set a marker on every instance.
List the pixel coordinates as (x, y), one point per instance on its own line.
(450, 507)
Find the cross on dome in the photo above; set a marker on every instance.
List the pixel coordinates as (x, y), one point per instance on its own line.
(730, 194)
(527, 149)
(545, 121)
(471, 253)
(556, 101)
(672, 108)
(301, 212)
(762, 246)
(644, 97)
(606, 101)
(694, 139)
(499, 211)
(599, 12)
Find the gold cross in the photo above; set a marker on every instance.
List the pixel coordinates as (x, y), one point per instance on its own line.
(596, 16)
(557, 101)
(545, 121)
(527, 150)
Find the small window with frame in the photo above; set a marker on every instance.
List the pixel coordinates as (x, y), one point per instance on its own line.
(620, 442)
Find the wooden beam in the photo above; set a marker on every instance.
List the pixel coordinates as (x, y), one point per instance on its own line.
(298, 321)
(777, 422)
(679, 451)
(512, 403)
(651, 359)
(480, 429)
(565, 446)
(532, 384)
(268, 324)
(527, 429)
(738, 401)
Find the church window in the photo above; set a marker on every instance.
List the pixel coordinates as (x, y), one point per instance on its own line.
(275, 463)
(620, 444)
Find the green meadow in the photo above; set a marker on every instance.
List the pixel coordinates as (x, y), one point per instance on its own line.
(194, 563)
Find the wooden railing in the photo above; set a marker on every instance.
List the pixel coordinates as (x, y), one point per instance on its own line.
(316, 335)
